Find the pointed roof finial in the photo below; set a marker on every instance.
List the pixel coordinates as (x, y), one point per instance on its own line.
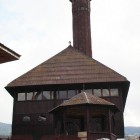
(70, 43)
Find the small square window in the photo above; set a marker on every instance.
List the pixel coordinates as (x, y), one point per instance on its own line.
(37, 95)
(21, 96)
(105, 92)
(71, 93)
(46, 95)
(114, 92)
(30, 96)
(97, 92)
(62, 94)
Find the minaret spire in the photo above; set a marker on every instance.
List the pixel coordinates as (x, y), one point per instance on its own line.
(81, 26)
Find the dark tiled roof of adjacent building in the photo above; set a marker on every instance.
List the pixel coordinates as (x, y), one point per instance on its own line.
(68, 67)
(7, 54)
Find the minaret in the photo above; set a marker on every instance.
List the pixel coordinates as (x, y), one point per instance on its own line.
(81, 26)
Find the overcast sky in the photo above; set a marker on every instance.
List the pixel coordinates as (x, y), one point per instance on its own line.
(39, 29)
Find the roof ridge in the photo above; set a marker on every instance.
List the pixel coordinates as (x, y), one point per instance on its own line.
(86, 97)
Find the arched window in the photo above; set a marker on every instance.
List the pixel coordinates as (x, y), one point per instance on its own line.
(26, 119)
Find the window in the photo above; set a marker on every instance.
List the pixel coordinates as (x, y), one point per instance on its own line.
(65, 94)
(46, 95)
(114, 92)
(37, 95)
(88, 91)
(97, 92)
(26, 119)
(21, 96)
(42, 118)
(62, 94)
(105, 92)
(71, 93)
(30, 96)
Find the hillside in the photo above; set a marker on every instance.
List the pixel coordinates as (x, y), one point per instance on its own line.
(5, 130)
(130, 130)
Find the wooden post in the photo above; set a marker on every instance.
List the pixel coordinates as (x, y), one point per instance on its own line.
(64, 122)
(88, 119)
(109, 122)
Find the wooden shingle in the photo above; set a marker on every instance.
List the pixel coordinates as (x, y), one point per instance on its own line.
(68, 67)
(84, 98)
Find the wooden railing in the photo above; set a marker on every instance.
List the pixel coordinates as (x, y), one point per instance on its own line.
(21, 137)
(47, 137)
(60, 138)
(99, 135)
(91, 136)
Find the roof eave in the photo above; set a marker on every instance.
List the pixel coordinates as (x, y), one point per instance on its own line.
(9, 54)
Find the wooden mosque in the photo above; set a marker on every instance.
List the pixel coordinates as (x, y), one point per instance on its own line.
(70, 96)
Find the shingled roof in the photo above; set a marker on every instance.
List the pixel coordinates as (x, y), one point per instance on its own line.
(68, 67)
(84, 98)
(7, 54)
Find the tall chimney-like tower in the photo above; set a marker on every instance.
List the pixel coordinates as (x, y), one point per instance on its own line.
(81, 26)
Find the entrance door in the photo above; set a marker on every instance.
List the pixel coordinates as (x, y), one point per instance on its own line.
(72, 126)
(97, 124)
